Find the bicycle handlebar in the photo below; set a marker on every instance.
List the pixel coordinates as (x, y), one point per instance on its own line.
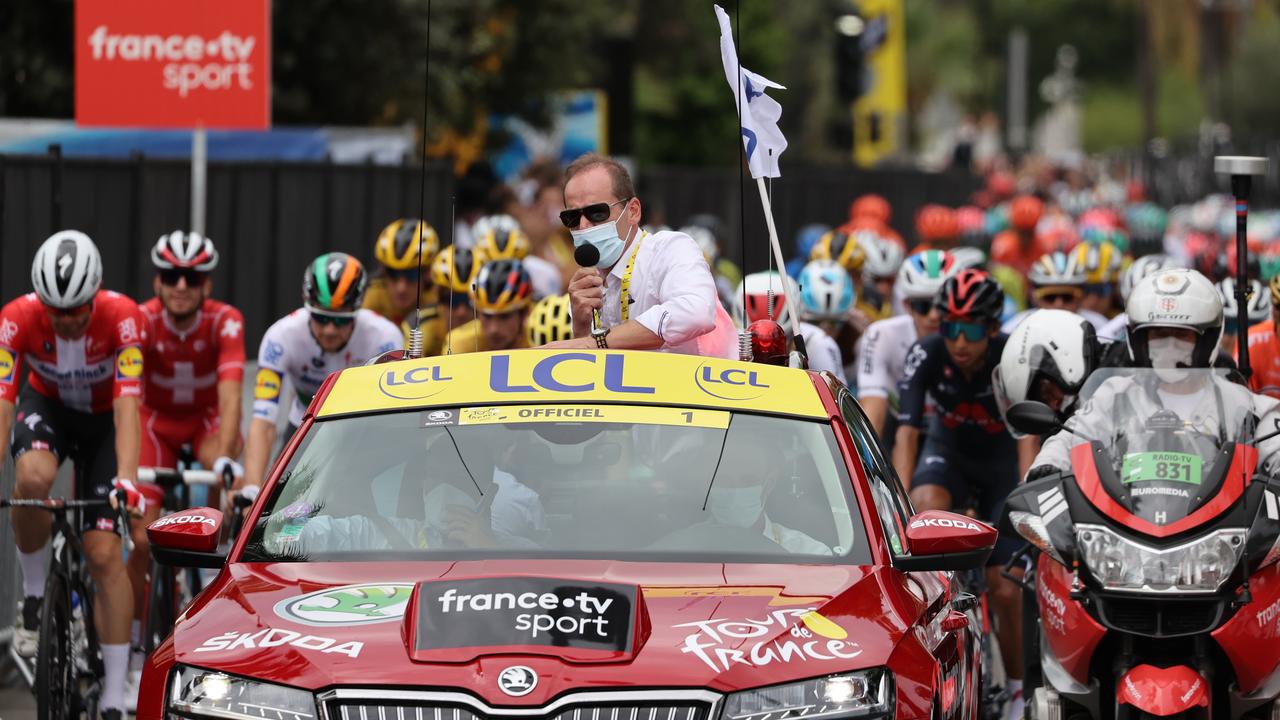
(170, 476)
(52, 504)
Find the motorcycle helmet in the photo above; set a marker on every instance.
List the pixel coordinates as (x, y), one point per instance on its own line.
(1049, 347)
(1141, 268)
(1175, 298)
(826, 291)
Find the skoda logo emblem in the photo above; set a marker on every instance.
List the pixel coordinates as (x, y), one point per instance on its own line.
(517, 680)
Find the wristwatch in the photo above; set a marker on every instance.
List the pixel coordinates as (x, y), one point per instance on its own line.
(600, 336)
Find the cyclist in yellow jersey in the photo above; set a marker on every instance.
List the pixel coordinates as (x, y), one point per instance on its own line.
(401, 252)
(501, 295)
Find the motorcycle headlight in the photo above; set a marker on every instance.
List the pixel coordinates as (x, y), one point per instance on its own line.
(198, 693)
(1031, 527)
(858, 694)
(1201, 565)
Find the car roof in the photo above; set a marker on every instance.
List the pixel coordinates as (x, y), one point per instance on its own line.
(594, 376)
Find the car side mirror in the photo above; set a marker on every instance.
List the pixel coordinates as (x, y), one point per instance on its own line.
(1033, 418)
(940, 540)
(187, 538)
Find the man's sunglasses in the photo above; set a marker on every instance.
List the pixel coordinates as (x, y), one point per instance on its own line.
(77, 311)
(973, 332)
(335, 320)
(920, 307)
(171, 276)
(596, 213)
(410, 276)
(1058, 298)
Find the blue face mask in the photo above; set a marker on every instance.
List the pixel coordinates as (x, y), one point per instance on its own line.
(736, 507)
(605, 239)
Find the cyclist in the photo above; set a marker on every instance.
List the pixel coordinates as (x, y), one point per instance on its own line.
(85, 349)
(195, 371)
(329, 333)
(847, 250)
(806, 239)
(1264, 349)
(1057, 281)
(549, 321)
(1020, 245)
(1101, 264)
(452, 272)
(882, 351)
(759, 291)
(1148, 264)
(403, 249)
(880, 271)
(936, 228)
(501, 295)
(826, 297)
(503, 239)
(1257, 311)
(968, 455)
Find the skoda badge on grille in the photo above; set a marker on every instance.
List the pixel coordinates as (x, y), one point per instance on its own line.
(517, 680)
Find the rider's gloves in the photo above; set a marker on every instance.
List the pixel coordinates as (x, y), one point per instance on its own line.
(249, 492)
(128, 492)
(1041, 471)
(221, 464)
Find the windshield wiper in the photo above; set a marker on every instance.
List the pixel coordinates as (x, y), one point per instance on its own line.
(723, 441)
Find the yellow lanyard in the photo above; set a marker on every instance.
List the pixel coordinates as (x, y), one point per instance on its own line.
(625, 300)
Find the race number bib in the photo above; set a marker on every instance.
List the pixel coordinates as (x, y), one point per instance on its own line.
(1162, 467)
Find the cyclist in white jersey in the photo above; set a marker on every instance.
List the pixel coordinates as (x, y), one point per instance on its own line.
(882, 351)
(330, 333)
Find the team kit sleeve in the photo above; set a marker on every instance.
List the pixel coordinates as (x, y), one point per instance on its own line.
(12, 332)
(687, 292)
(269, 382)
(874, 379)
(914, 386)
(131, 336)
(231, 353)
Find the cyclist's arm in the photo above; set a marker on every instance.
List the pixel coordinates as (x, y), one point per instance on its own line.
(877, 409)
(228, 417)
(1028, 448)
(6, 426)
(128, 436)
(262, 435)
(905, 448)
(911, 396)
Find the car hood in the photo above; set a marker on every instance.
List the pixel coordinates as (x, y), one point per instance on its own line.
(719, 626)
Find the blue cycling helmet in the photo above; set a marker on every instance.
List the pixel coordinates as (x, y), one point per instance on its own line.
(826, 291)
(808, 237)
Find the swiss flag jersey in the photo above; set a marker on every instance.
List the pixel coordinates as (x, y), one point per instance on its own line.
(184, 368)
(84, 374)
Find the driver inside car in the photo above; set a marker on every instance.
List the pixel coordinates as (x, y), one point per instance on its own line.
(1175, 322)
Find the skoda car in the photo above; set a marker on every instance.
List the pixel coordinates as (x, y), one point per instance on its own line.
(579, 536)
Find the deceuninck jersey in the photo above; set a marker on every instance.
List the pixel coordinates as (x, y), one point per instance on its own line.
(184, 368)
(289, 350)
(84, 374)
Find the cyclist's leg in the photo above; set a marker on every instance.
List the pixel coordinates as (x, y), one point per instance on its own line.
(95, 459)
(37, 447)
(157, 449)
(936, 484)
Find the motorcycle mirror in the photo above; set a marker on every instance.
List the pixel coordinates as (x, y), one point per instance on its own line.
(1033, 418)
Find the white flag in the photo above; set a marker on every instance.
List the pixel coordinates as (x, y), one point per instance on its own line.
(760, 113)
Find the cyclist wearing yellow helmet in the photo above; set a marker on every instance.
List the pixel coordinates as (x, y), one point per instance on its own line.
(549, 321)
(452, 273)
(1101, 265)
(501, 295)
(401, 252)
(848, 250)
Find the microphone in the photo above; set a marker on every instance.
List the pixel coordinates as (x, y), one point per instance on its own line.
(588, 255)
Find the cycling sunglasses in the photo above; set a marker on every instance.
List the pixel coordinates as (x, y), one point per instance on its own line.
(411, 276)
(334, 320)
(77, 311)
(920, 307)
(171, 276)
(596, 213)
(972, 331)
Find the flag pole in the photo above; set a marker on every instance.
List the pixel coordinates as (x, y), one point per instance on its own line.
(777, 255)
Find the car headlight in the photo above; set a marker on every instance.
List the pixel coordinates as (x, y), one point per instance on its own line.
(857, 694)
(1031, 527)
(199, 693)
(1197, 566)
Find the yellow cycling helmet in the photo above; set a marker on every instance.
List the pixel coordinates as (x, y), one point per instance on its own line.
(503, 243)
(549, 321)
(841, 247)
(1101, 263)
(1275, 290)
(453, 269)
(398, 246)
(501, 287)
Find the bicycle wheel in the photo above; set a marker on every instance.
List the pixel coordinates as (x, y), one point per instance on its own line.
(56, 675)
(160, 607)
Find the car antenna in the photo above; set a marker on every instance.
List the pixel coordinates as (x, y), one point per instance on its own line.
(414, 349)
(723, 441)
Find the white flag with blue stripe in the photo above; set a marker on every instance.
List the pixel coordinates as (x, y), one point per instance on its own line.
(760, 113)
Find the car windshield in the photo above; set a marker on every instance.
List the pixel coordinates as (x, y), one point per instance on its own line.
(1164, 440)
(561, 481)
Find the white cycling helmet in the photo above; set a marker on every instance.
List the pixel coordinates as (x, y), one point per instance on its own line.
(759, 286)
(884, 257)
(705, 240)
(67, 270)
(826, 291)
(922, 275)
(1259, 308)
(187, 250)
(1053, 346)
(969, 257)
(502, 222)
(1178, 298)
(1055, 269)
(1142, 267)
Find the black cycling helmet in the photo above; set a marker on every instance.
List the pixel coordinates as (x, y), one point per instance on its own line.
(971, 295)
(334, 284)
(501, 287)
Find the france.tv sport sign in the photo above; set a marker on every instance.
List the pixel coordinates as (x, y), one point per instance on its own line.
(173, 63)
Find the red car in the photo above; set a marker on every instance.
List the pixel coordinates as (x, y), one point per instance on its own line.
(575, 535)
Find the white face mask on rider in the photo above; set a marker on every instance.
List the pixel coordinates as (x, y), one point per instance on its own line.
(1170, 356)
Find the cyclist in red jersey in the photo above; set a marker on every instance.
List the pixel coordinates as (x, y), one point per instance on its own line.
(84, 348)
(1264, 349)
(1020, 246)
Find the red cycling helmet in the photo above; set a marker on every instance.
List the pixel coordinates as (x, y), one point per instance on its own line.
(935, 222)
(1000, 185)
(871, 206)
(971, 295)
(1025, 211)
(184, 250)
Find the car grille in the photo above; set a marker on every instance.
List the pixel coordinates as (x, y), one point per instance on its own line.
(1160, 618)
(372, 709)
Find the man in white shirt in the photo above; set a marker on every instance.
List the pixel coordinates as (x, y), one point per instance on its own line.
(654, 291)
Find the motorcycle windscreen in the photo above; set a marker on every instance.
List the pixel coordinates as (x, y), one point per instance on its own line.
(1163, 476)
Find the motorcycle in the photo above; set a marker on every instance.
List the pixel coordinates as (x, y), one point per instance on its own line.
(1155, 556)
